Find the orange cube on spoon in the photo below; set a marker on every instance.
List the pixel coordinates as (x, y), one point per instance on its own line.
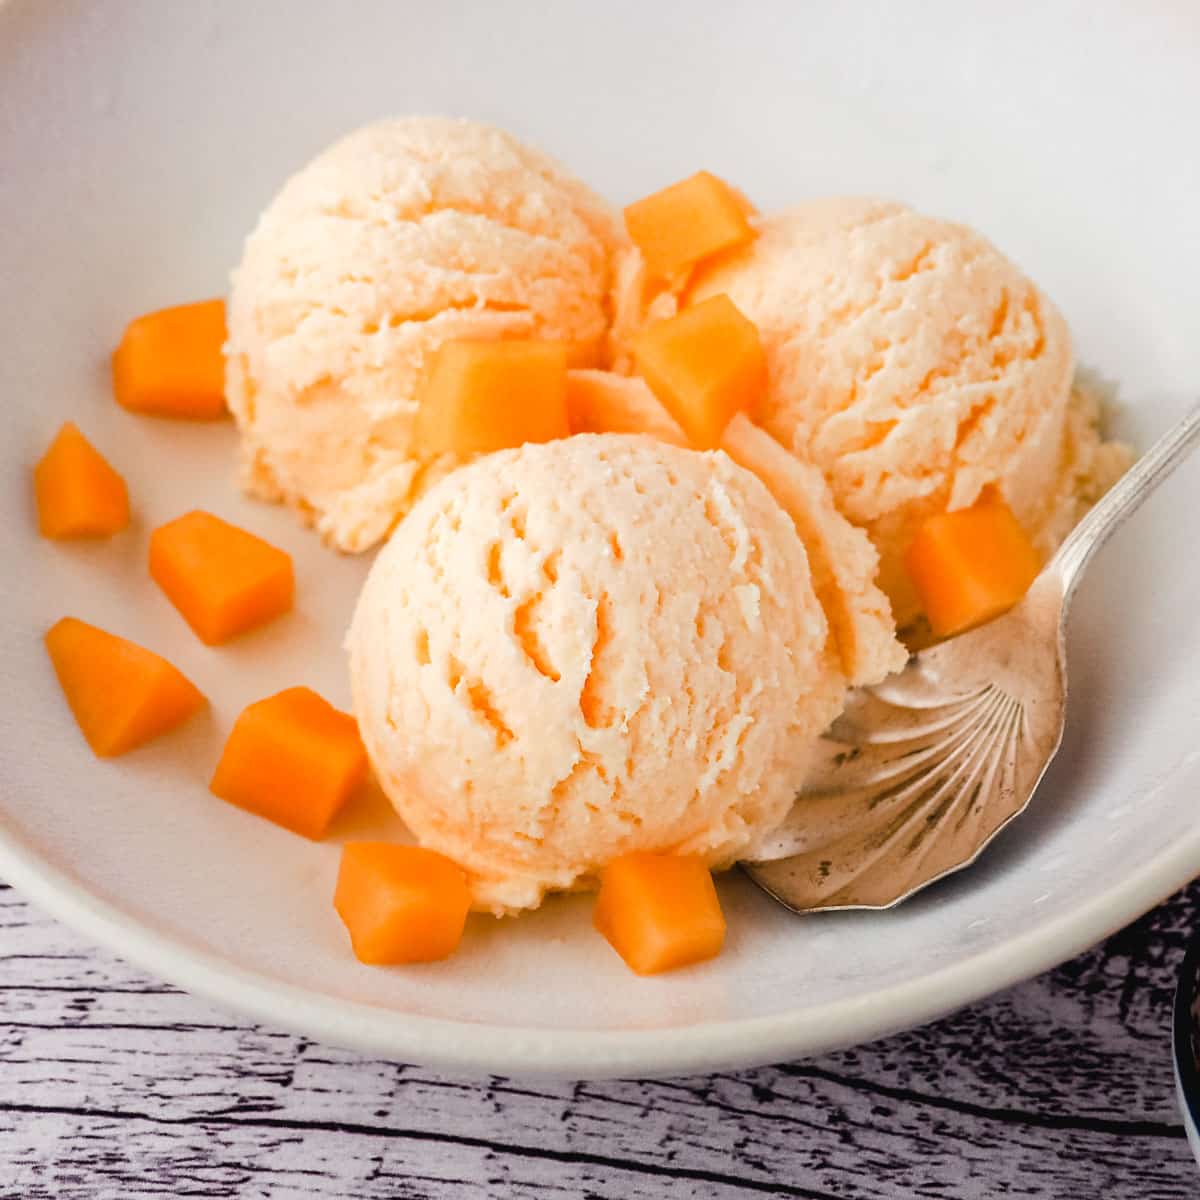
(971, 565)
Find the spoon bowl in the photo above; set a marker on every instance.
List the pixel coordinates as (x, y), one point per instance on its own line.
(923, 770)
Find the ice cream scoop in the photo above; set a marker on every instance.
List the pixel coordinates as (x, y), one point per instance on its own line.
(599, 645)
(403, 235)
(913, 363)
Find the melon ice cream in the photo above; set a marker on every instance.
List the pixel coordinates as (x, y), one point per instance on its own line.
(594, 646)
(401, 236)
(913, 364)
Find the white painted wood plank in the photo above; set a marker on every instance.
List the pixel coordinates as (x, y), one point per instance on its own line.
(113, 1084)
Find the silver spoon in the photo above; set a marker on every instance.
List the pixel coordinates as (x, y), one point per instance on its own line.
(925, 768)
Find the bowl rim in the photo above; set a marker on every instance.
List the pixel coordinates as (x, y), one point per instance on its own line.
(476, 1049)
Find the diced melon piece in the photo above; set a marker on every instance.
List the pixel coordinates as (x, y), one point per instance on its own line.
(688, 221)
(121, 694)
(842, 560)
(604, 402)
(78, 494)
(170, 362)
(400, 904)
(744, 203)
(659, 911)
(586, 354)
(478, 396)
(705, 364)
(294, 759)
(971, 565)
(222, 579)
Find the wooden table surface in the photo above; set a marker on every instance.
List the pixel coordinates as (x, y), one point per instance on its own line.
(115, 1085)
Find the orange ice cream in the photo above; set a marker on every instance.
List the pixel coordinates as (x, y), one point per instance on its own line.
(401, 236)
(599, 645)
(913, 364)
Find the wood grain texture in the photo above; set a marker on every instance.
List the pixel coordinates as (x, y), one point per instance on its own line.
(115, 1085)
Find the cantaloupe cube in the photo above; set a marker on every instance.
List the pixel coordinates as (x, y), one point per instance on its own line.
(604, 402)
(971, 565)
(223, 580)
(659, 911)
(478, 396)
(705, 364)
(294, 759)
(585, 355)
(688, 221)
(400, 904)
(170, 363)
(78, 494)
(121, 694)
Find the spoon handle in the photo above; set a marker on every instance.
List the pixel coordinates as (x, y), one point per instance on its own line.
(1122, 499)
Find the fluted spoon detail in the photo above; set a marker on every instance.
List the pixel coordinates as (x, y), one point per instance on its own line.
(925, 768)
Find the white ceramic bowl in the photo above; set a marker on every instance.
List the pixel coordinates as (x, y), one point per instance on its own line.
(138, 141)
